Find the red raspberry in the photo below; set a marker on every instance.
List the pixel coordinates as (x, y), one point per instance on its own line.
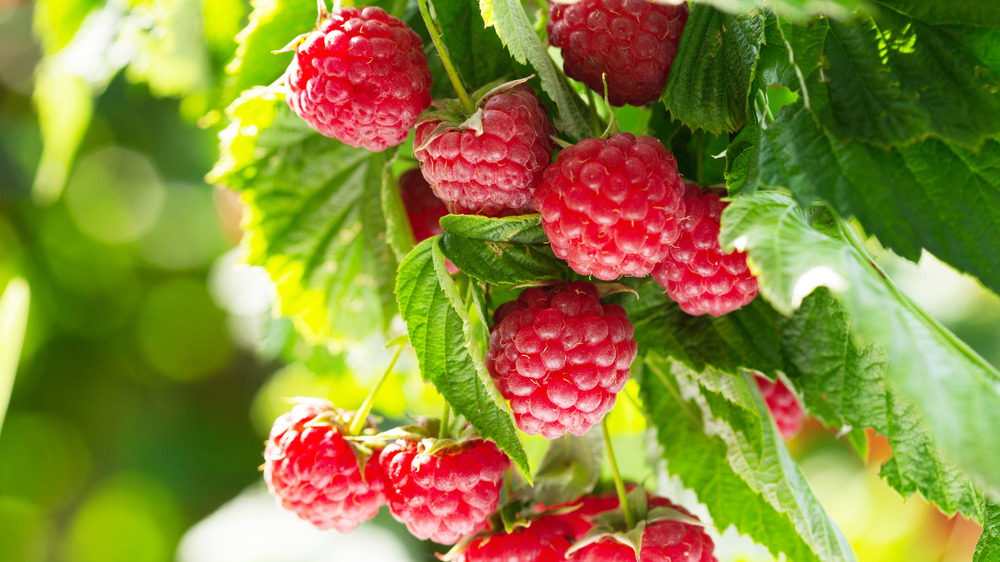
(784, 406)
(611, 207)
(697, 273)
(634, 42)
(446, 494)
(423, 208)
(560, 357)
(361, 77)
(663, 540)
(489, 166)
(314, 472)
(543, 540)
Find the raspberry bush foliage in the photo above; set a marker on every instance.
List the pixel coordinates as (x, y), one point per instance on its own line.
(826, 127)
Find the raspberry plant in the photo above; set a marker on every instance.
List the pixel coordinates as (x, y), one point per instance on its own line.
(829, 126)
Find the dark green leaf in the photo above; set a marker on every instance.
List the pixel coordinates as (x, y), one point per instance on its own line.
(956, 392)
(475, 50)
(796, 9)
(441, 333)
(711, 75)
(739, 468)
(504, 251)
(946, 12)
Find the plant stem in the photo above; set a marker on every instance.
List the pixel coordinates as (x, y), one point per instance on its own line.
(358, 423)
(619, 483)
(595, 119)
(435, 33)
(443, 432)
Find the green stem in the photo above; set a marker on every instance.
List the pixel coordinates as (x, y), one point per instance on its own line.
(595, 119)
(435, 33)
(358, 423)
(443, 432)
(619, 483)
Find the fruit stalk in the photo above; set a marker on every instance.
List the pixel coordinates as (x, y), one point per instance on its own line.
(432, 28)
(619, 483)
(358, 423)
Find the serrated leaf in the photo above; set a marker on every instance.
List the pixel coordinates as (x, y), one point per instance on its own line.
(475, 50)
(446, 349)
(711, 76)
(951, 201)
(794, 9)
(737, 464)
(305, 196)
(988, 547)
(894, 80)
(511, 23)
(570, 469)
(505, 251)
(956, 391)
(844, 383)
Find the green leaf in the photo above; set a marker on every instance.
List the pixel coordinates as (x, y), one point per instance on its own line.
(272, 25)
(399, 234)
(503, 251)
(895, 80)
(988, 547)
(794, 9)
(570, 469)
(845, 385)
(518, 35)
(475, 50)
(307, 196)
(717, 437)
(375, 230)
(955, 390)
(951, 201)
(711, 76)
(450, 357)
(945, 12)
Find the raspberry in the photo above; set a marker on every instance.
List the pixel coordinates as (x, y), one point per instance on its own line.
(447, 493)
(361, 77)
(784, 407)
(560, 357)
(663, 540)
(423, 208)
(633, 42)
(697, 273)
(611, 207)
(543, 540)
(488, 165)
(315, 473)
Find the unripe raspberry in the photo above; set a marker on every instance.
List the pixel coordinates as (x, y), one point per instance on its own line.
(543, 540)
(784, 406)
(490, 164)
(612, 207)
(444, 494)
(633, 42)
(697, 273)
(664, 540)
(423, 208)
(361, 77)
(560, 357)
(315, 473)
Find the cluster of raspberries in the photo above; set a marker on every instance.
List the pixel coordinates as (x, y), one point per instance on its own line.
(610, 207)
(443, 493)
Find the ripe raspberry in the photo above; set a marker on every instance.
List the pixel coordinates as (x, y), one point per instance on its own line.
(314, 472)
(560, 357)
(445, 494)
(543, 540)
(423, 208)
(663, 540)
(611, 207)
(784, 407)
(633, 42)
(361, 77)
(489, 164)
(697, 273)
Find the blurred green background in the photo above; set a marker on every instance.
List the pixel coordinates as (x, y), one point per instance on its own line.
(151, 366)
